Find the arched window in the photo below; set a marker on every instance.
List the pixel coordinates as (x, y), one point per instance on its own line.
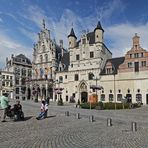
(102, 97)
(138, 97)
(111, 96)
(46, 58)
(61, 79)
(41, 58)
(90, 76)
(119, 97)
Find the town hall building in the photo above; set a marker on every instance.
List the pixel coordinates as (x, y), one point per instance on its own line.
(87, 69)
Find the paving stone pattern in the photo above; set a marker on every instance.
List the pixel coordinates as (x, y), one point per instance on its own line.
(60, 131)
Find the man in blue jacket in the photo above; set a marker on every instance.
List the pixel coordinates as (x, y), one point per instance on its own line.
(4, 102)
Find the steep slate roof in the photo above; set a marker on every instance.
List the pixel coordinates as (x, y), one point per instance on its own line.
(115, 64)
(91, 38)
(99, 27)
(72, 33)
(21, 56)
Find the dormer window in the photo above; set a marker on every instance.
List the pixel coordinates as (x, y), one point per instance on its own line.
(108, 70)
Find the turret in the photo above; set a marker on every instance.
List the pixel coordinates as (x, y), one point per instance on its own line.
(72, 39)
(99, 33)
(136, 44)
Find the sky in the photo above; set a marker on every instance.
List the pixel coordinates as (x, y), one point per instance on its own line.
(21, 20)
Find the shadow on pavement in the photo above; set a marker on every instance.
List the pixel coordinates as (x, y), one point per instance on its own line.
(27, 118)
(51, 116)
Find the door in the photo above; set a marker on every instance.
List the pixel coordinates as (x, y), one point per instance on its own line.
(84, 97)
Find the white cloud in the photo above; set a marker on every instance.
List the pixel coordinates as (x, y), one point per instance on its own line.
(121, 37)
(9, 46)
(33, 36)
(61, 28)
(107, 10)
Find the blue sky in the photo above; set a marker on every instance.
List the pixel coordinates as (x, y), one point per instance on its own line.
(20, 21)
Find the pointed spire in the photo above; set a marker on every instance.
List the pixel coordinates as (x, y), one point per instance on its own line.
(99, 26)
(43, 23)
(72, 33)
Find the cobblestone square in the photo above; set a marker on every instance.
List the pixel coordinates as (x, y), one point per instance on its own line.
(60, 131)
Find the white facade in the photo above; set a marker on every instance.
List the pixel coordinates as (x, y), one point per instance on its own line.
(7, 83)
(86, 59)
(88, 62)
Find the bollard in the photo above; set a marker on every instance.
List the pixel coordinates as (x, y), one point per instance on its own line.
(78, 116)
(134, 126)
(91, 118)
(67, 113)
(109, 122)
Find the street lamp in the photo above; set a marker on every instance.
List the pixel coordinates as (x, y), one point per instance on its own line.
(114, 85)
(58, 89)
(95, 88)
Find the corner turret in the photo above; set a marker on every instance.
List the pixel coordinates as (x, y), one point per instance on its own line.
(72, 39)
(99, 33)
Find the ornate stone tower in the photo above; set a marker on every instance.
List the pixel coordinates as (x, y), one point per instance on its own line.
(136, 44)
(45, 64)
(44, 55)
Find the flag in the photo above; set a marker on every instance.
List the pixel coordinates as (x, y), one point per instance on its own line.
(46, 70)
(36, 71)
(41, 72)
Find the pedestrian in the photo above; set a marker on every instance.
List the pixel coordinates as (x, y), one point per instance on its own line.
(44, 110)
(4, 102)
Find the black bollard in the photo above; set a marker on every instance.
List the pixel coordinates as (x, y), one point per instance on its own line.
(67, 113)
(134, 126)
(109, 122)
(91, 118)
(78, 116)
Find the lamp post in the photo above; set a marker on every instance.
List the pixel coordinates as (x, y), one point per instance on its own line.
(96, 88)
(114, 73)
(115, 92)
(58, 89)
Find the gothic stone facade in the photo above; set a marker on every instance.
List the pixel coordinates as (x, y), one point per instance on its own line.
(88, 62)
(21, 68)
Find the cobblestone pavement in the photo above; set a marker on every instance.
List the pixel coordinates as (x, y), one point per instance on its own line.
(60, 131)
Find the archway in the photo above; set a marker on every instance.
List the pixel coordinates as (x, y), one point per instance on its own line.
(50, 92)
(28, 94)
(83, 92)
(44, 93)
(84, 96)
(146, 98)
